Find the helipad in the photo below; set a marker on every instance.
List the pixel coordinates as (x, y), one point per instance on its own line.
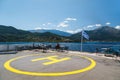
(52, 65)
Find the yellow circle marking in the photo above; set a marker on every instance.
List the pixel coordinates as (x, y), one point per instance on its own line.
(12, 69)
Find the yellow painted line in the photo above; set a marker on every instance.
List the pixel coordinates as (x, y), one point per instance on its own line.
(56, 61)
(8, 66)
(43, 58)
(53, 60)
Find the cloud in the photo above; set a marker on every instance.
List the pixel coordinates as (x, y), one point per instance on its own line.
(91, 27)
(74, 31)
(70, 19)
(49, 23)
(62, 24)
(65, 23)
(37, 28)
(98, 25)
(70, 31)
(117, 27)
(46, 24)
(107, 23)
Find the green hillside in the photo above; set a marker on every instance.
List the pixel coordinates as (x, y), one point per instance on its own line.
(104, 33)
(11, 34)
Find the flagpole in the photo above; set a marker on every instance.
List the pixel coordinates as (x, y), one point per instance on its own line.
(81, 41)
(85, 35)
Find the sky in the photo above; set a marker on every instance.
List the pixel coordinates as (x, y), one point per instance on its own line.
(65, 15)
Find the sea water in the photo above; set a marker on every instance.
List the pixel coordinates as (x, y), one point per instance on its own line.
(86, 46)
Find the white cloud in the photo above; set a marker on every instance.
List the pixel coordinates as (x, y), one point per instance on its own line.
(62, 24)
(90, 26)
(95, 25)
(65, 23)
(70, 31)
(117, 27)
(44, 24)
(98, 25)
(49, 23)
(37, 28)
(107, 23)
(70, 19)
(78, 30)
(74, 31)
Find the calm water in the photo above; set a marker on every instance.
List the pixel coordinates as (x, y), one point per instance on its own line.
(87, 46)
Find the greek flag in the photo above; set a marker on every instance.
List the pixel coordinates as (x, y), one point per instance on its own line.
(85, 35)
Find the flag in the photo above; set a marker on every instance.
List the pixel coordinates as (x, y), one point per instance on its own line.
(85, 35)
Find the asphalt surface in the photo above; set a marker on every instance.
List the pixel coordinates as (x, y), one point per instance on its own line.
(105, 69)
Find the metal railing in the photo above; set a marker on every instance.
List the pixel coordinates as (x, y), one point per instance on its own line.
(71, 46)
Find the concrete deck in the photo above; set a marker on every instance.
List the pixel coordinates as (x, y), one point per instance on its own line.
(105, 68)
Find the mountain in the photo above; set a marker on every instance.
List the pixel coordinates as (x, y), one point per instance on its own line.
(104, 33)
(11, 34)
(58, 32)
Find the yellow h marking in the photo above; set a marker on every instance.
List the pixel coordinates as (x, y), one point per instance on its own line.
(52, 58)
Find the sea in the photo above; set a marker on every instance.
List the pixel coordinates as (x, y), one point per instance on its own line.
(74, 46)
